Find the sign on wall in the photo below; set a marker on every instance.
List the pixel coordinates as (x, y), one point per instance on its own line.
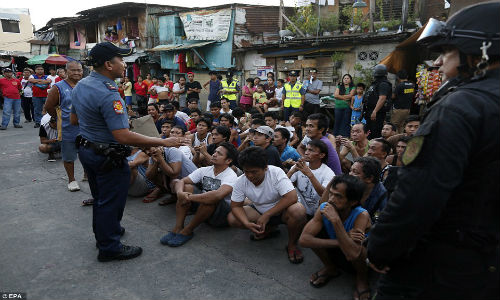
(207, 25)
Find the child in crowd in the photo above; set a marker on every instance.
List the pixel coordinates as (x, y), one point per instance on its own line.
(260, 99)
(357, 105)
(247, 95)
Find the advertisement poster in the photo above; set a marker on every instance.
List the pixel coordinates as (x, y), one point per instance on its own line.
(263, 71)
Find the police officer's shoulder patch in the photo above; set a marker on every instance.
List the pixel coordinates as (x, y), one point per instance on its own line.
(118, 107)
(412, 149)
(110, 87)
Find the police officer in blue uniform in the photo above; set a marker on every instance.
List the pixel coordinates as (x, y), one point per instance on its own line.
(104, 132)
(438, 236)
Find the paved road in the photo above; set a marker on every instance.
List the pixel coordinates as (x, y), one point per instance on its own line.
(47, 248)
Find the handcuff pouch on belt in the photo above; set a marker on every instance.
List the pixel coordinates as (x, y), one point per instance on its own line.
(115, 154)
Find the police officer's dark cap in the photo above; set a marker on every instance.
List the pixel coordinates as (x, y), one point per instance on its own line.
(293, 73)
(106, 51)
(168, 107)
(229, 74)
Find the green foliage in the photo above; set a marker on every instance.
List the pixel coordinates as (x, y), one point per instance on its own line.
(347, 14)
(337, 56)
(330, 23)
(364, 75)
(305, 19)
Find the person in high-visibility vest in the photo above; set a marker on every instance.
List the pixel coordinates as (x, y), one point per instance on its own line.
(293, 96)
(230, 89)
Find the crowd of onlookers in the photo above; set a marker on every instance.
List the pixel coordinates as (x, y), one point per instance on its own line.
(260, 155)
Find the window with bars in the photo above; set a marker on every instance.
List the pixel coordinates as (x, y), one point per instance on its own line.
(10, 26)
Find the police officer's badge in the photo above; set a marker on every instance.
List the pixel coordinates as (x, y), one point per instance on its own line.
(412, 149)
(109, 86)
(118, 107)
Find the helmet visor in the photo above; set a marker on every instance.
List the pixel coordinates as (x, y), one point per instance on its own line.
(433, 30)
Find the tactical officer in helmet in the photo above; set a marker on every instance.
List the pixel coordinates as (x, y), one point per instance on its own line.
(438, 237)
(376, 105)
(104, 130)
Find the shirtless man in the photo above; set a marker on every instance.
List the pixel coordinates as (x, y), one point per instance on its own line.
(358, 147)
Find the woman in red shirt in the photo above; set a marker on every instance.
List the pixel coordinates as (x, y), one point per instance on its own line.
(141, 89)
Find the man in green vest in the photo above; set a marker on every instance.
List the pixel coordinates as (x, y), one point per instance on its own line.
(293, 96)
(230, 89)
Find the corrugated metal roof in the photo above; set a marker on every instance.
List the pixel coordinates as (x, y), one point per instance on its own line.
(10, 17)
(175, 47)
(262, 19)
(303, 51)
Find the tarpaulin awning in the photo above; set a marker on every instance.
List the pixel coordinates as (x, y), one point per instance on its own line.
(9, 17)
(133, 57)
(405, 55)
(303, 51)
(176, 47)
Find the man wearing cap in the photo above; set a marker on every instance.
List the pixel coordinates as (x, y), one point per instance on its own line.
(104, 129)
(438, 237)
(263, 137)
(10, 88)
(313, 87)
(169, 112)
(230, 89)
(293, 96)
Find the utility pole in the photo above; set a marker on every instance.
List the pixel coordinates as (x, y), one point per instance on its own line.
(404, 15)
(281, 15)
(372, 13)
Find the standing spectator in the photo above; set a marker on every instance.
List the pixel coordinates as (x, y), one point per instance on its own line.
(40, 86)
(274, 202)
(10, 88)
(269, 89)
(179, 90)
(293, 96)
(127, 91)
(375, 103)
(141, 89)
(61, 75)
(214, 88)
(60, 95)
(168, 84)
(53, 76)
(246, 98)
(26, 96)
(230, 89)
(278, 94)
(329, 234)
(403, 97)
(152, 95)
(193, 89)
(357, 105)
(313, 87)
(311, 176)
(343, 95)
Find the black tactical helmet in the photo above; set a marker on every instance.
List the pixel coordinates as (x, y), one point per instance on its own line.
(380, 71)
(470, 29)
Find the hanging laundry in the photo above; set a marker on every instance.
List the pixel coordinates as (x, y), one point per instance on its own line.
(182, 63)
(119, 25)
(136, 71)
(189, 59)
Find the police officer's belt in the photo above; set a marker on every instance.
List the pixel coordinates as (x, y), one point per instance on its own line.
(102, 148)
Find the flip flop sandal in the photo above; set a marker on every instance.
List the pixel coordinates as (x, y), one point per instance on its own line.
(294, 254)
(359, 294)
(149, 199)
(326, 277)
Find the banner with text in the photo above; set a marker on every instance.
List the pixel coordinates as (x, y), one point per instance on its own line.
(207, 25)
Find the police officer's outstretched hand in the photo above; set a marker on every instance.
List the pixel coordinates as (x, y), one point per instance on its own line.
(176, 142)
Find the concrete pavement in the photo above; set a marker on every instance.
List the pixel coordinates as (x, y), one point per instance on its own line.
(48, 249)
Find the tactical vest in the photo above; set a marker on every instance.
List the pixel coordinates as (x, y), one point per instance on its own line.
(293, 96)
(230, 88)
